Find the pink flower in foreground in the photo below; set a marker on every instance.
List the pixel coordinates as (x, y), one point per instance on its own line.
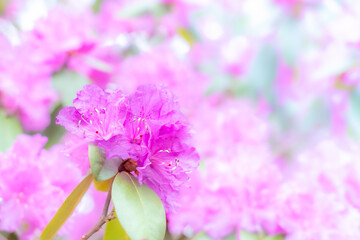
(146, 127)
(29, 178)
(96, 115)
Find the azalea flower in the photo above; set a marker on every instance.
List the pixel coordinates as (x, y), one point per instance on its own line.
(146, 130)
(29, 177)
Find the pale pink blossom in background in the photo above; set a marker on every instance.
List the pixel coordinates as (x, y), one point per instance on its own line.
(31, 176)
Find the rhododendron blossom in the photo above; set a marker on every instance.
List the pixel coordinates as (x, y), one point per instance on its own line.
(25, 88)
(31, 178)
(145, 128)
(318, 200)
(232, 191)
(180, 119)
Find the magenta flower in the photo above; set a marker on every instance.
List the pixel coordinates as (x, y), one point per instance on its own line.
(96, 115)
(146, 130)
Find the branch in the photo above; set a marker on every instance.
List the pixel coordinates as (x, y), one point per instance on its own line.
(107, 202)
(104, 217)
(98, 226)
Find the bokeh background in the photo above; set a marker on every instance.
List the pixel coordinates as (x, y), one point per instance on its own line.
(270, 87)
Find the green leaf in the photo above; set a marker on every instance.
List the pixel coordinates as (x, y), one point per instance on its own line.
(103, 186)
(97, 6)
(114, 230)
(186, 35)
(291, 40)
(204, 236)
(259, 236)
(262, 73)
(138, 8)
(353, 114)
(66, 209)
(275, 237)
(102, 168)
(248, 236)
(67, 83)
(139, 209)
(54, 132)
(3, 4)
(10, 128)
(201, 236)
(230, 237)
(8, 236)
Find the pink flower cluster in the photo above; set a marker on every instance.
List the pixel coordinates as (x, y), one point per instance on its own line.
(146, 127)
(25, 87)
(241, 185)
(33, 185)
(263, 83)
(233, 190)
(319, 199)
(55, 43)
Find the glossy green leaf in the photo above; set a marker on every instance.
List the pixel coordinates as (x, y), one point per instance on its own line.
(139, 209)
(114, 230)
(66, 209)
(10, 128)
(102, 168)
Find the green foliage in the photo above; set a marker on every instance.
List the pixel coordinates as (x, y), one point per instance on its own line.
(114, 230)
(97, 6)
(201, 236)
(103, 186)
(54, 132)
(138, 8)
(259, 236)
(262, 73)
(66, 209)
(243, 236)
(139, 209)
(102, 168)
(8, 236)
(10, 128)
(67, 83)
(291, 40)
(353, 114)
